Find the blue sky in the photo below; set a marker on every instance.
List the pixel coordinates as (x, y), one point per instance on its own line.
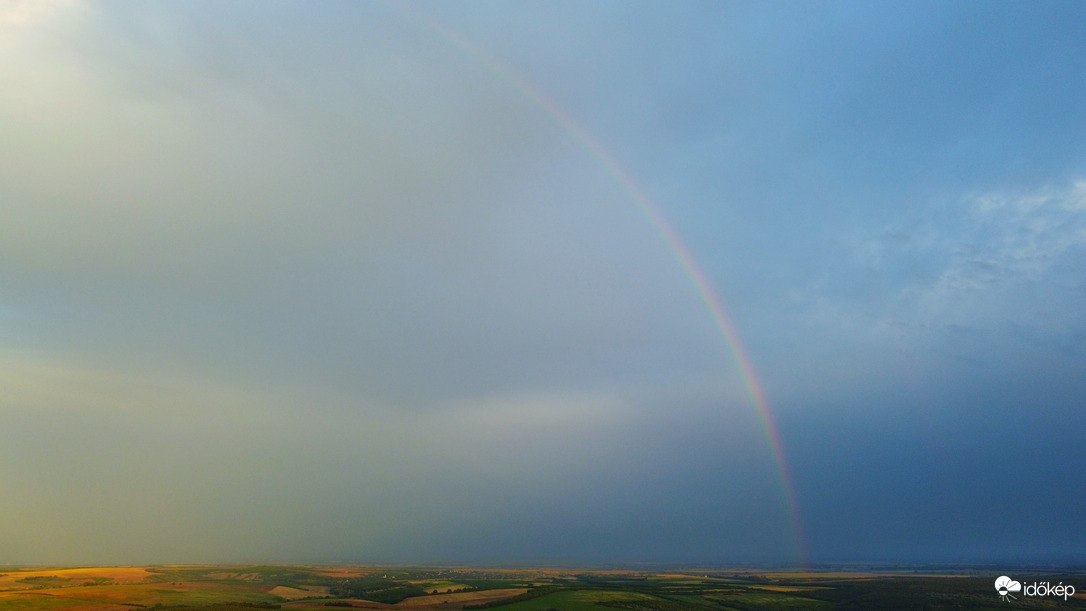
(325, 282)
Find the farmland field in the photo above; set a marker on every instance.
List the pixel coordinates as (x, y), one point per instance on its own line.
(245, 588)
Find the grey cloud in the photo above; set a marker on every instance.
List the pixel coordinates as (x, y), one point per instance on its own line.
(391, 212)
(315, 283)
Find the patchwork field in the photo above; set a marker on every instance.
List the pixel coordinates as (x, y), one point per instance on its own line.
(460, 599)
(224, 588)
(68, 576)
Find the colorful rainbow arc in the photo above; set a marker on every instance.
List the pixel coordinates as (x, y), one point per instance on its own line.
(651, 210)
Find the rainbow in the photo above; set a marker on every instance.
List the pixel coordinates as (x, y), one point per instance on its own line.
(652, 211)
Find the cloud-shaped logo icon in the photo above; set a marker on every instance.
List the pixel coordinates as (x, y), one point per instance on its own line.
(1005, 585)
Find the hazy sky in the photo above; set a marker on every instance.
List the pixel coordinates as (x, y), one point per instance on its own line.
(338, 281)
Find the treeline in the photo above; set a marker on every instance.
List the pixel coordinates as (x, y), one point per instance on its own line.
(377, 589)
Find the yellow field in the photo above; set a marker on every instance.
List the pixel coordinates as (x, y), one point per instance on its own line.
(459, 598)
(125, 596)
(10, 579)
(125, 588)
(454, 600)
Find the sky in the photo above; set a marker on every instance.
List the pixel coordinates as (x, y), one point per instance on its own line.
(607, 283)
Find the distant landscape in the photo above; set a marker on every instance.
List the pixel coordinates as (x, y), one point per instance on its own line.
(244, 588)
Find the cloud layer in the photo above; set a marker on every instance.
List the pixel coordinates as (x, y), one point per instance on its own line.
(319, 284)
